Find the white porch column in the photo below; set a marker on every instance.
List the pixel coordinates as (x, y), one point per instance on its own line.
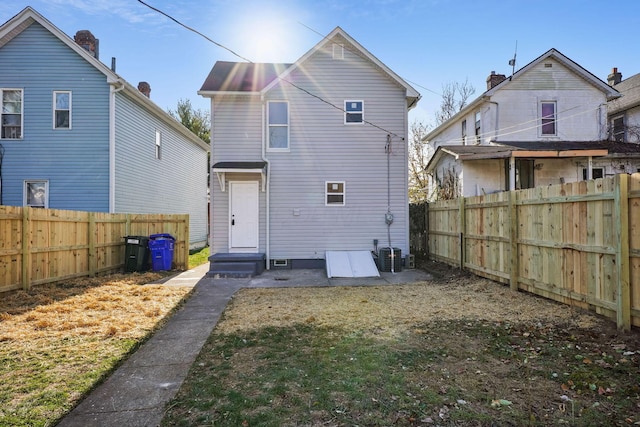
(512, 173)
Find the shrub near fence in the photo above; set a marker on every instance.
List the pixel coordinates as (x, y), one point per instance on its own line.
(45, 245)
(576, 243)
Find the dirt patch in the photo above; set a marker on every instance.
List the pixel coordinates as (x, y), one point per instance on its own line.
(391, 310)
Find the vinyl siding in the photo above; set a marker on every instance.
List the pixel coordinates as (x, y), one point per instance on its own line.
(323, 148)
(175, 183)
(74, 161)
(580, 111)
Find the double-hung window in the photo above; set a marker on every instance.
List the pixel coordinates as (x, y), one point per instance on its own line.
(334, 193)
(478, 127)
(62, 109)
(158, 144)
(353, 112)
(548, 117)
(617, 129)
(278, 115)
(11, 114)
(36, 194)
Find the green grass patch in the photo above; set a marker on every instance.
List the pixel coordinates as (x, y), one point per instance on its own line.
(199, 257)
(447, 373)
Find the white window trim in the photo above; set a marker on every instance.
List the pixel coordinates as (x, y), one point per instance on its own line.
(158, 145)
(623, 130)
(344, 193)
(555, 121)
(2, 90)
(54, 109)
(278, 149)
(46, 191)
(346, 112)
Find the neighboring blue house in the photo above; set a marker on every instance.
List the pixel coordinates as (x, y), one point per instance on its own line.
(75, 135)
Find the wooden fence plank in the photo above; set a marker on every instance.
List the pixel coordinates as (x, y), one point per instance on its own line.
(46, 245)
(577, 243)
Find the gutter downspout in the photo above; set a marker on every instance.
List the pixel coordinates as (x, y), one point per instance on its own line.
(112, 142)
(267, 201)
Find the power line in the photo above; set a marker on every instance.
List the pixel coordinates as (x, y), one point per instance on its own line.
(252, 62)
(502, 134)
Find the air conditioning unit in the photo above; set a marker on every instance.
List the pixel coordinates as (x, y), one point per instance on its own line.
(384, 259)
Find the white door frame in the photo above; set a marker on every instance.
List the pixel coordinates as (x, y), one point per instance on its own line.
(252, 190)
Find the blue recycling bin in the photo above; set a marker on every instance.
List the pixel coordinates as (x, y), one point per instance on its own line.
(161, 248)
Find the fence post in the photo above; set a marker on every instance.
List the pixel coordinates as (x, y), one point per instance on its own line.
(462, 229)
(26, 248)
(621, 221)
(93, 259)
(513, 241)
(426, 230)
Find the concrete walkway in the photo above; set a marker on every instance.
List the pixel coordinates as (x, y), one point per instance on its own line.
(135, 395)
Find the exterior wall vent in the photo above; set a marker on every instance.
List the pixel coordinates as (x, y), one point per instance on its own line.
(338, 51)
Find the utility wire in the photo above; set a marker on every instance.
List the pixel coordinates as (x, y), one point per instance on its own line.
(195, 31)
(516, 127)
(252, 62)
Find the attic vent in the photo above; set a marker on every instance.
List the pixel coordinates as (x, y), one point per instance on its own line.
(548, 65)
(338, 51)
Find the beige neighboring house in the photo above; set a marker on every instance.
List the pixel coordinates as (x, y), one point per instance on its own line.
(546, 124)
(624, 112)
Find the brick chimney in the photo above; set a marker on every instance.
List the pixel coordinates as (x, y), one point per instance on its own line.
(615, 77)
(145, 89)
(495, 79)
(85, 39)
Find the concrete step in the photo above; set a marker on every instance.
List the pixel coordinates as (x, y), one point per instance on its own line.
(236, 265)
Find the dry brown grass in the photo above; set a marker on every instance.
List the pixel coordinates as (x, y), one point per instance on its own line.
(393, 310)
(58, 340)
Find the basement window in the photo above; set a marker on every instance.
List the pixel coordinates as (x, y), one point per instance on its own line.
(334, 193)
(36, 194)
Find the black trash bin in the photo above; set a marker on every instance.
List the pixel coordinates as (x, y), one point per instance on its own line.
(136, 254)
(161, 247)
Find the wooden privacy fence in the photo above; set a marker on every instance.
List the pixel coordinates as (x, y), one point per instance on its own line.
(576, 243)
(45, 245)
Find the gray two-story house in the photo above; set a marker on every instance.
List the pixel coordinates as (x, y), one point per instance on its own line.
(309, 157)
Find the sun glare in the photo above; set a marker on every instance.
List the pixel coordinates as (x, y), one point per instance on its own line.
(266, 37)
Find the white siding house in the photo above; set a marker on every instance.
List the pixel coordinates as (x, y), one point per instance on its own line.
(76, 132)
(624, 112)
(546, 124)
(309, 157)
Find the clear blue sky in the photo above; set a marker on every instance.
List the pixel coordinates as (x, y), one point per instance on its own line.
(427, 42)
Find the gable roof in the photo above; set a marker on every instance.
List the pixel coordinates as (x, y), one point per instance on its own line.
(241, 77)
(610, 92)
(630, 90)
(234, 77)
(28, 16)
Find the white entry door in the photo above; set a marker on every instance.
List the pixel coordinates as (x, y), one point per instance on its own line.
(243, 216)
